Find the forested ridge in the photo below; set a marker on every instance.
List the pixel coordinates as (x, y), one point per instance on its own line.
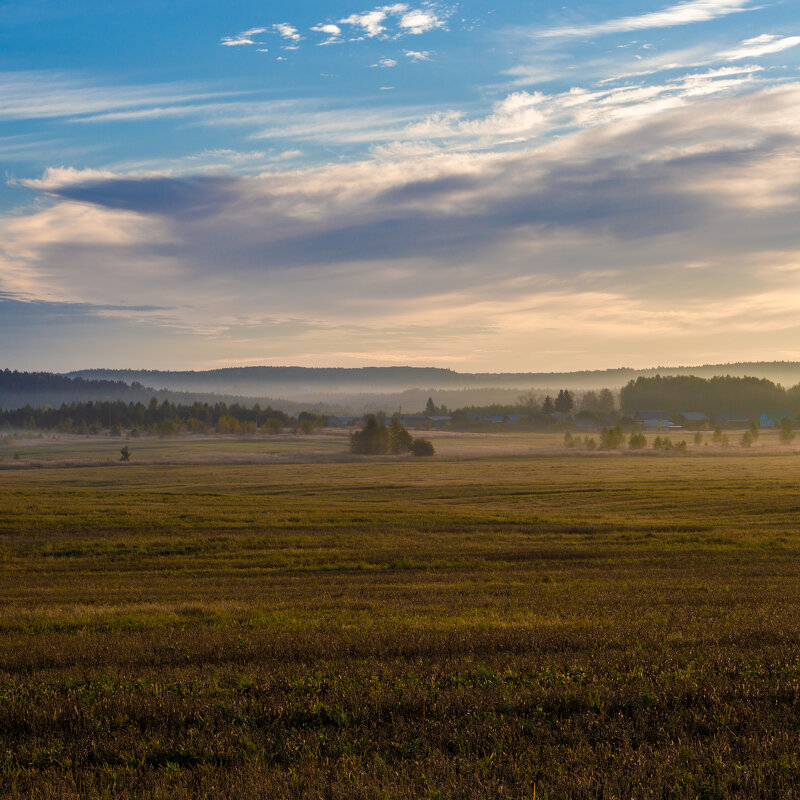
(49, 401)
(286, 381)
(721, 395)
(14, 381)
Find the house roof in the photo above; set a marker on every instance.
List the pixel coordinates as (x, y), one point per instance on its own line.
(652, 415)
(694, 416)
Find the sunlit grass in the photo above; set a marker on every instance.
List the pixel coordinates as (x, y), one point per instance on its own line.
(608, 625)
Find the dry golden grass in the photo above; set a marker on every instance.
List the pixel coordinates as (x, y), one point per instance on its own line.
(599, 626)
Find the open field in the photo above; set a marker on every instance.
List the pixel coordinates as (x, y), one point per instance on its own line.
(594, 625)
(58, 449)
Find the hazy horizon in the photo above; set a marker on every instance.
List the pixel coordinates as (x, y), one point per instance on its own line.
(764, 365)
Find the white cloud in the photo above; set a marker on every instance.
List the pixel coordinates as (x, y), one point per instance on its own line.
(417, 22)
(685, 13)
(333, 32)
(760, 46)
(417, 55)
(385, 63)
(408, 21)
(371, 22)
(287, 31)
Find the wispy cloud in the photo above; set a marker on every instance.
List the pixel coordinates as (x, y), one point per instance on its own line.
(522, 118)
(45, 94)
(243, 38)
(758, 46)
(686, 13)
(517, 120)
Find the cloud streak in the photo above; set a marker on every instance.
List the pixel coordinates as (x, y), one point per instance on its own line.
(44, 94)
(243, 38)
(758, 46)
(686, 13)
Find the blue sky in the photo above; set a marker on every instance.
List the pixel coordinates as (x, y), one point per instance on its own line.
(526, 186)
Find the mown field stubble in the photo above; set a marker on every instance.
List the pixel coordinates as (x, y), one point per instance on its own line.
(567, 626)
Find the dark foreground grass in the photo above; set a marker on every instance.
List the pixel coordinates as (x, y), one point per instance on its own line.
(607, 627)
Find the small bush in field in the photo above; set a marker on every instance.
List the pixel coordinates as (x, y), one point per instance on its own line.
(611, 438)
(637, 441)
(422, 447)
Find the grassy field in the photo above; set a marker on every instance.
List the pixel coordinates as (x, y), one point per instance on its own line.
(57, 449)
(548, 624)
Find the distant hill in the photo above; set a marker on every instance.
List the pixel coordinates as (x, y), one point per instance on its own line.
(339, 390)
(39, 389)
(45, 388)
(300, 383)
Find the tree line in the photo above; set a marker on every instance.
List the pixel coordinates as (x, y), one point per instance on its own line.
(721, 395)
(165, 418)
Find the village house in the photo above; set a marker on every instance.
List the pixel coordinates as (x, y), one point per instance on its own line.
(774, 419)
(733, 421)
(654, 420)
(694, 420)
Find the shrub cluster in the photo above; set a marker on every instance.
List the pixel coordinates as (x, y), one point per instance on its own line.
(666, 444)
(375, 438)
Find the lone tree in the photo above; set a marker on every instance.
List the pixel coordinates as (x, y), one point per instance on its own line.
(125, 454)
(547, 406)
(372, 439)
(430, 408)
